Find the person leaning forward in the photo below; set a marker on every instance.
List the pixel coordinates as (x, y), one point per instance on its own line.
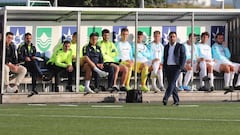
(93, 51)
(11, 65)
(61, 61)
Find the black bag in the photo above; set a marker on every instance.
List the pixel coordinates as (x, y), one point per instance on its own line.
(134, 96)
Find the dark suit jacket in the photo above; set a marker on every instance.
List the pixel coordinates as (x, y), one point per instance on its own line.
(179, 53)
(23, 52)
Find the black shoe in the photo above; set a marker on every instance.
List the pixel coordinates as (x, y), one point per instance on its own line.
(110, 89)
(34, 91)
(31, 94)
(164, 102)
(69, 88)
(205, 78)
(237, 88)
(175, 104)
(123, 88)
(211, 89)
(203, 88)
(227, 91)
(114, 89)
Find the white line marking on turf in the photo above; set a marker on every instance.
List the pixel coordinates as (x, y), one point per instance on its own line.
(106, 106)
(71, 105)
(188, 105)
(118, 117)
(37, 104)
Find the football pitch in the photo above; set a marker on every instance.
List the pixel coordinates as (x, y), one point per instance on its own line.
(221, 118)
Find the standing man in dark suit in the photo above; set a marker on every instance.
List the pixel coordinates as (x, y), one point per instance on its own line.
(174, 60)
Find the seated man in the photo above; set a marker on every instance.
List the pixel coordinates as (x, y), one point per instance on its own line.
(142, 57)
(189, 66)
(125, 55)
(93, 51)
(11, 65)
(109, 52)
(27, 54)
(88, 66)
(156, 61)
(222, 54)
(205, 62)
(85, 63)
(61, 61)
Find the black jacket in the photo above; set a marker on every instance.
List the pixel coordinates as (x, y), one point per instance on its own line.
(11, 54)
(94, 55)
(179, 53)
(23, 52)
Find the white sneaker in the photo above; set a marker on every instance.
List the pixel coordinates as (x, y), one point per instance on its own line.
(88, 90)
(9, 90)
(237, 85)
(156, 89)
(153, 75)
(103, 74)
(15, 88)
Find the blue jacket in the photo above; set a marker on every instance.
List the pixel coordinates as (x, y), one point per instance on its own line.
(179, 53)
(94, 55)
(216, 52)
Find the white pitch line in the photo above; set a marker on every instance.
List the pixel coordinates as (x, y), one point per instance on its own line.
(37, 104)
(188, 106)
(119, 117)
(106, 106)
(66, 105)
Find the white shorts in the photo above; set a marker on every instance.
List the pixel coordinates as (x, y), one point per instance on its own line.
(236, 67)
(217, 65)
(212, 63)
(194, 67)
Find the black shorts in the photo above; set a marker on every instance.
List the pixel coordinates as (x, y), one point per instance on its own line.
(109, 63)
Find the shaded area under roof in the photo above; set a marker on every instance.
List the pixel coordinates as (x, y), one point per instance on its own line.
(23, 13)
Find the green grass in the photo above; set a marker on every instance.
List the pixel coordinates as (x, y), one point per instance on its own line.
(130, 119)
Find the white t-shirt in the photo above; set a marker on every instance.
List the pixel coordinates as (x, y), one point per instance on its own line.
(142, 53)
(157, 51)
(204, 51)
(171, 57)
(188, 49)
(125, 50)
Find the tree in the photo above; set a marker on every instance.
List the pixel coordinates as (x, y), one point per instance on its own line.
(108, 3)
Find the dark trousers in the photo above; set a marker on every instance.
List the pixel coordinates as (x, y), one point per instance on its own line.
(34, 69)
(110, 71)
(56, 71)
(172, 73)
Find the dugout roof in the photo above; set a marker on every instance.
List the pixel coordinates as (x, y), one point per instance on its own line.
(23, 13)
